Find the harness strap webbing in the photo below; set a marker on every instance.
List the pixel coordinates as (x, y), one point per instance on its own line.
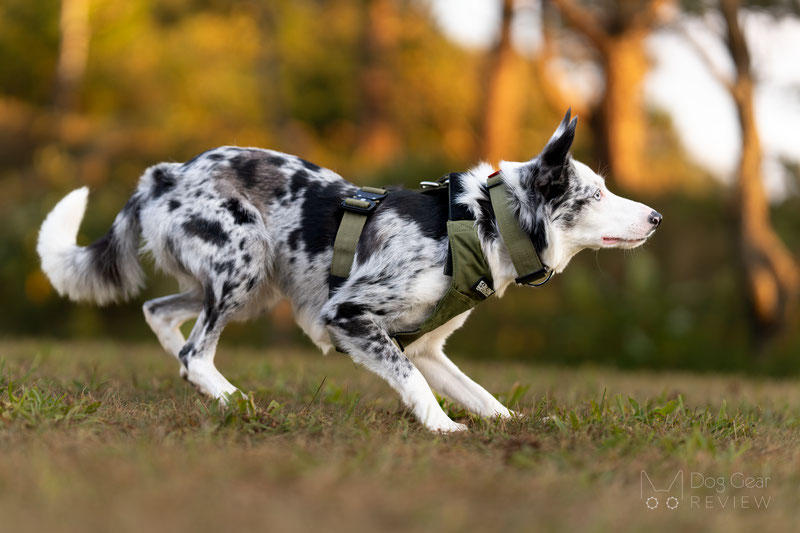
(356, 211)
(523, 254)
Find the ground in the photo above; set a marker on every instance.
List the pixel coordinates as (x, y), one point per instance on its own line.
(106, 436)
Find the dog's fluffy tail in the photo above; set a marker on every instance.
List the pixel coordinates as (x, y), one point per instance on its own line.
(105, 271)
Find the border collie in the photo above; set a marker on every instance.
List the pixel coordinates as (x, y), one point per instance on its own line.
(243, 228)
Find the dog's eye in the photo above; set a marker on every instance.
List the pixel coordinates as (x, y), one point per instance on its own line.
(598, 194)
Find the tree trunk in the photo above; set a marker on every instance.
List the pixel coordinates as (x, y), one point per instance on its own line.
(72, 54)
(623, 134)
(770, 270)
(503, 98)
(620, 122)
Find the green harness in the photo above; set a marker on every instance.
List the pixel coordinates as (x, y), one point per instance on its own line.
(472, 281)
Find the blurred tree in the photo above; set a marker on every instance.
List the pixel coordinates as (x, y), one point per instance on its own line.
(501, 113)
(72, 54)
(377, 138)
(166, 80)
(617, 29)
(29, 34)
(770, 271)
(550, 76)
(515, 98)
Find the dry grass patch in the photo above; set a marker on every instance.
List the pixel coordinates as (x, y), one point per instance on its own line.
(101, 436)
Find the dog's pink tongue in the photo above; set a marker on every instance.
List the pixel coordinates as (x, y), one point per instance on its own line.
(610, 240)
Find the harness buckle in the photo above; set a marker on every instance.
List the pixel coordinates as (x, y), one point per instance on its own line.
(365, 200)
(375, 194)
(357, 205)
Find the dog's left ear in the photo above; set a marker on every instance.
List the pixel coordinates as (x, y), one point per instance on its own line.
(557, 149)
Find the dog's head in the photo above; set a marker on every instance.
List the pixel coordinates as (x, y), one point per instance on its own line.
(567, 207)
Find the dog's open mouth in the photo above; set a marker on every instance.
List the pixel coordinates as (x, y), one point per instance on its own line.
(615, 241)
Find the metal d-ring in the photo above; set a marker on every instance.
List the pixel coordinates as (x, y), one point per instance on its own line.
(549, 275)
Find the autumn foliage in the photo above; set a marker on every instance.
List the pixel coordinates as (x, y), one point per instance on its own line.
(94, 91)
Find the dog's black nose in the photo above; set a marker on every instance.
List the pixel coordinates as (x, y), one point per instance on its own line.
(655, 218)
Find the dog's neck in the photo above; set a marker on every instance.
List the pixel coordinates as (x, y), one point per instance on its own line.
(476, 198)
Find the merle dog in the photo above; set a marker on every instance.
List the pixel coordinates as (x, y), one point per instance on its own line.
(243, 228)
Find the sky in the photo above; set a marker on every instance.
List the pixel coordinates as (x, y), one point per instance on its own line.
(680, 83)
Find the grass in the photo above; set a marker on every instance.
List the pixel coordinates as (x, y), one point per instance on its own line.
(103, 436)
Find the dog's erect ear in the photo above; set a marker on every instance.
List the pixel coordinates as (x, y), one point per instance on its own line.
(555, 153)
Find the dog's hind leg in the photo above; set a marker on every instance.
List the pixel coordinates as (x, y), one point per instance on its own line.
(221, 301)
(445, 377)
(165, 316)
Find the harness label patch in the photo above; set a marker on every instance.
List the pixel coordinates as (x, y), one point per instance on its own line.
(483, 288)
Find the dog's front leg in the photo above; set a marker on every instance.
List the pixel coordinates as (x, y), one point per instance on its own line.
(444, 376)
(355, 331)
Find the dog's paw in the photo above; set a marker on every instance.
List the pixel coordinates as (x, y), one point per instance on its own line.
(505, 413)
(498, 411)
(231, 397)
(447, 426)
